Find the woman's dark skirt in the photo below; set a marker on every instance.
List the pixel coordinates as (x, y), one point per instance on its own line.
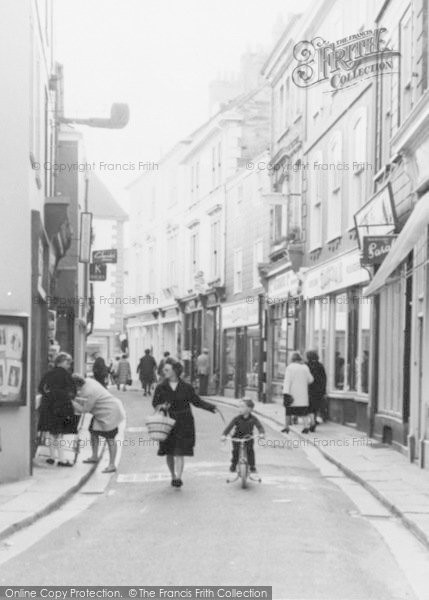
(181, 440)
(297, 411)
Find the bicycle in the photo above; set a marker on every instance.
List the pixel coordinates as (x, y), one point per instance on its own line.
(243, 471)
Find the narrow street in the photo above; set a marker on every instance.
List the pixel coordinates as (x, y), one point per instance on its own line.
(296, 531)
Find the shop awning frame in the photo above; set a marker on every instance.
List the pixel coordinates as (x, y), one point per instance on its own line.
(413, 230)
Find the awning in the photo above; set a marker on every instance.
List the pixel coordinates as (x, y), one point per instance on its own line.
(413, 230)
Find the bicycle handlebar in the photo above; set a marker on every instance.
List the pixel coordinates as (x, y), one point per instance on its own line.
(244, 439)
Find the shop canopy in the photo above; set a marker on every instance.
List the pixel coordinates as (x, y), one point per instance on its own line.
(413, 230)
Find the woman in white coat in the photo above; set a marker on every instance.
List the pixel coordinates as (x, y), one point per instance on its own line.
(295, 391)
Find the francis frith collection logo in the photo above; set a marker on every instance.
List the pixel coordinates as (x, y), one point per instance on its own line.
(344, 62)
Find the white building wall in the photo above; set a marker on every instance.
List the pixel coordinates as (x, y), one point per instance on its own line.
(19, 194)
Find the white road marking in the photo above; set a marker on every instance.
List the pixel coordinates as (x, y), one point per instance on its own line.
(136, 429)
(142, 477)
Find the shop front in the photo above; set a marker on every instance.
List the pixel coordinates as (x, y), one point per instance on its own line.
(285, 327)
(400, 289)
(339, 329)
(241, 341)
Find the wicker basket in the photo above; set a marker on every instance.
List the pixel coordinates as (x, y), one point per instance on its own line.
(159, 426)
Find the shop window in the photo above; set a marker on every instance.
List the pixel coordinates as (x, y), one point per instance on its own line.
(252, 354)
(340, 333)
(230, 354)
(364, 346)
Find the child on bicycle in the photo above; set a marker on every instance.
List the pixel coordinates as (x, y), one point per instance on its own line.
(244, 424)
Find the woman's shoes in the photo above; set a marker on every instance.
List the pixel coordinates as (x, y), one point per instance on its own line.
(176, 483)
(64, 464)
(313, 427)
(179, 483)
(50, 461)
(285, 430)
(305, 430)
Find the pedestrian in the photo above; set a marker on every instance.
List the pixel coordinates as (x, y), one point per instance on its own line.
(100, 370)
(114, 370)
(295, 391)
(161, 364)
(203, 370)
(123, 374)
(316, 389)
(108, 412)
(176, 396)
(146, 371)
(56, 412)
(243, 426)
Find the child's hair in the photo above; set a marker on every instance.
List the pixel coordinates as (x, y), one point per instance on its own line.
(248, 402)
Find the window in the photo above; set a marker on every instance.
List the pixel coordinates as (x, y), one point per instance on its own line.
(340, 334)
(219, 162)
(281, 114)
(280, 341)
(197, 180)
(277, 222)
(358, 164)
(335, 171)
(238, 271)
(213, 166)
(195, 243)
(406, 69)
(287, 109)
(215, 249)
(252, 356)
(258, 257)
(315, 203)
(364, 346)
(172, 277)
(294, 204)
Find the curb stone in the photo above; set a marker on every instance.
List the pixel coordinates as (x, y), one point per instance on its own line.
(52, 506)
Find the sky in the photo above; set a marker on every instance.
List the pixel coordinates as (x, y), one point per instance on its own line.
(159, 56)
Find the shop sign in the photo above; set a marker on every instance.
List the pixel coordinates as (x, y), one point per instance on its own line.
(97, 272)
(241, 314)
(376, 248)
(339, 274)
(105, 256)
(377, 216)
(283, 285)
(85, 237)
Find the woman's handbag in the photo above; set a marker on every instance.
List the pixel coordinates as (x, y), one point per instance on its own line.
(159, 425)
(287, 400)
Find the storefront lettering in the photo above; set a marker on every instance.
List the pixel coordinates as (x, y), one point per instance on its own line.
(333, 274)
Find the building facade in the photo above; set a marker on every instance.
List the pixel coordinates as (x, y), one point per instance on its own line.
(36, 231)
(337, 181)
(399, 410)
(243, 314)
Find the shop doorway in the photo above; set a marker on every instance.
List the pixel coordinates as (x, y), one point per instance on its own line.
(235, 342)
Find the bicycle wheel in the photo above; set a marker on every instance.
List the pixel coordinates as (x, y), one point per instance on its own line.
(243, 474)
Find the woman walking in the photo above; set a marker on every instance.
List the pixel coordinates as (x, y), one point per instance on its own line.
(56, 413)
(146, 371)
(176, 396)
(123, 373)
(317, 389)
(295, 390)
